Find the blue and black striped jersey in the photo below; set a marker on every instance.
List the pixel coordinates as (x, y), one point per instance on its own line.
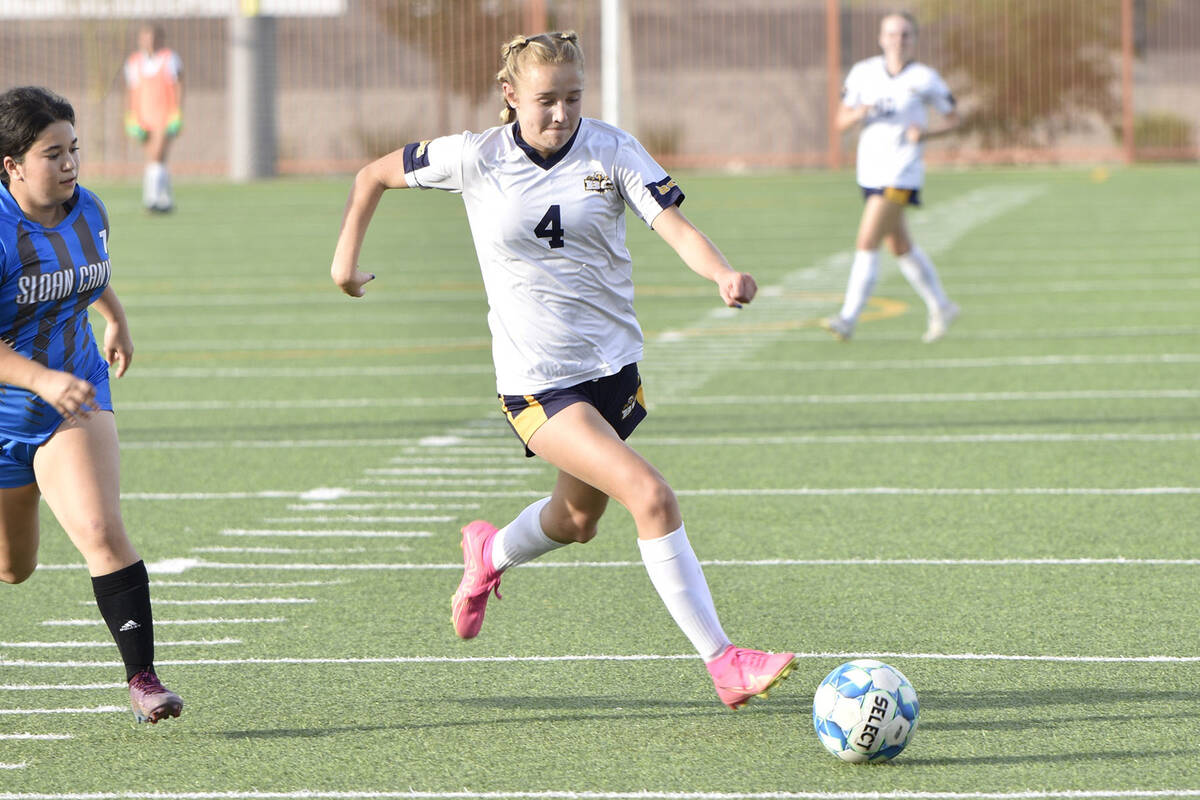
(48, 278)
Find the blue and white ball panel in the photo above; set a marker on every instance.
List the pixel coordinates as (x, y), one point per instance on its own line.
(865, 710)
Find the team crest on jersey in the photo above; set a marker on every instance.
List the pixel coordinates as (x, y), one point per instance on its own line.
(598, 182)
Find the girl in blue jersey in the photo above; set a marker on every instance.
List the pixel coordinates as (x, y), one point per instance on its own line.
(58, 437)
(546, 194)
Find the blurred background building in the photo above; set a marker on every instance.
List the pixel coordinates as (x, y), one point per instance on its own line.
(317, 86)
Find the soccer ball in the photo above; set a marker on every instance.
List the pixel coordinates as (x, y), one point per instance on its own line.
(865, 711)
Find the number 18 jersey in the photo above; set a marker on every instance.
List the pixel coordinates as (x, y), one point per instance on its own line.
(550, 237)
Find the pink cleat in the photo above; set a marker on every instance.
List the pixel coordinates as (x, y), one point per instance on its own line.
(479, 579)
(741, 674)
(151, 700)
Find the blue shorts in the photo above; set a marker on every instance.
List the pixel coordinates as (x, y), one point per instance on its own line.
(618, 398)
(16, 457)
(901, 197)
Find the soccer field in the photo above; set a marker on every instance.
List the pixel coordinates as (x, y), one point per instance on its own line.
(1010, 516)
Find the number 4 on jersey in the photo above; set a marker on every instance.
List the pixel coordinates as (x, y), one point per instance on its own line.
(551, 228)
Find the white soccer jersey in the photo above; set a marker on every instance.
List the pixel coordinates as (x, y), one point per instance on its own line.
(550, 236)
(140, 66)
(885, 156)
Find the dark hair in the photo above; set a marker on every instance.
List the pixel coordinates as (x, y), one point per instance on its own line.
(25, 112)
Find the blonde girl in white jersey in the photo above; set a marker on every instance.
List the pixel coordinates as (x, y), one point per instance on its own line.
(545, 195)
(888, 95)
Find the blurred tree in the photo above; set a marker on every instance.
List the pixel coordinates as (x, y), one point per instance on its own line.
(1029, 70)
(461, 37)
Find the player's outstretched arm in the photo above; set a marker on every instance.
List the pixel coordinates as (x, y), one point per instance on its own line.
(369, 185)
(703, 257)
(849, 116)
(948, 123)
(118, 342)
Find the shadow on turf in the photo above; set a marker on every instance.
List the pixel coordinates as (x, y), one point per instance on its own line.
(1083, 697)
(1085, 700)
(589, 708)
(1042, 758)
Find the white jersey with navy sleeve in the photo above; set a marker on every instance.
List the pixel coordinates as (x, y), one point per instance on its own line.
(885, 155)
(550, 237)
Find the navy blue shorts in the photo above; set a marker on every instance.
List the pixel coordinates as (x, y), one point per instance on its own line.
(901, 197)
(618, 398)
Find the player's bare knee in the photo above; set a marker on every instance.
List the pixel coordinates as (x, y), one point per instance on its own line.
(98, 534)
(14, 573)
(655, 502)
(581, 526)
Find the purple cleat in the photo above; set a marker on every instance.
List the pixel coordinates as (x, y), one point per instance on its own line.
(151, 700)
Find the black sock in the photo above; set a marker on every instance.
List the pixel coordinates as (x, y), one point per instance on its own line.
(124, 600)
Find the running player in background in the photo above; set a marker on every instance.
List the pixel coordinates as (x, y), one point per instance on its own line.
(58, 437)
(545, 195)
(888, 94)
(153, 80)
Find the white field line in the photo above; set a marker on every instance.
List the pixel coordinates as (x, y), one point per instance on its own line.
(82, 623)
(326, 403)
(60, 687)
(755, 399)
(357, 518)
(898, 656)
(309, 373)
(242, 584)
(196, 563)
(448, 454)
(257, 373)
(454, 454)
(773, 562)
(905, 490)
(948, 438)
(285, 494)
(863, 491)
(158, 643)
(263, 444)
(363, 534)
(438, 481)
(460, 471)
(948, 397)
(740, 364)
(481, 369)
(17, 765)
(250, 601)
(281, 551)
(95, 710)
(385, 506)
(1057, 334)
(38, 736)
(412, 794)
(1155, 285)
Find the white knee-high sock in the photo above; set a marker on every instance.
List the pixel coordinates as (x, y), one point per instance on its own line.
(922, 276)
(522, 539)
(149, 184)
(675, 572)
(163, 187)
(863, 273)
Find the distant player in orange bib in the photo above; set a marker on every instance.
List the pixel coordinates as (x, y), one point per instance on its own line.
(153, 77)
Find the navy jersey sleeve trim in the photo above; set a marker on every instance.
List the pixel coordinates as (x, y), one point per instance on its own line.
(416, 156)
(666, 192)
